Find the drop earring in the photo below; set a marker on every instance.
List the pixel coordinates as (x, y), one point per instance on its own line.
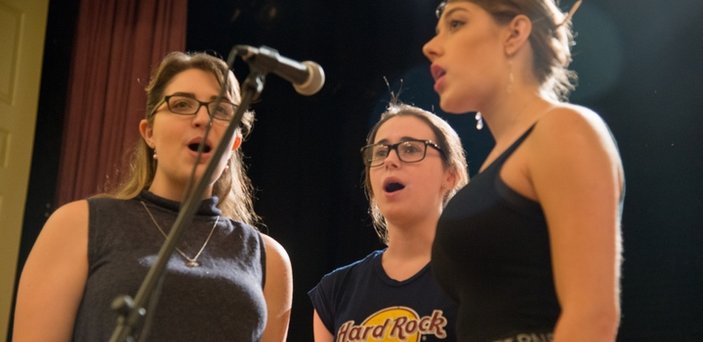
(479, 121)
(154, 156)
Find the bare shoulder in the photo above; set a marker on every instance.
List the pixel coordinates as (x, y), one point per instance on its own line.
(572, 141)
(572, 128)
(69, 221)
(55, 272)
(276, 255)
(567, 119)
(65, 232)
(72, 211)
(278, 290)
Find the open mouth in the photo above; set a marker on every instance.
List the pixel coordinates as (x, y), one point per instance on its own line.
(194, 147)
(393, 187)
(437, 72)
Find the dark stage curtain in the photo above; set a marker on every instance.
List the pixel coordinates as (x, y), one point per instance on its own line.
(117, 43)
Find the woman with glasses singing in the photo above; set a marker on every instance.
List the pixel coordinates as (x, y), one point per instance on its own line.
(226, 281)
(531, 248)
(414, 163)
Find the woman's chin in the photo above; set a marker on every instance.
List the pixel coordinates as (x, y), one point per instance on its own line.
(453, 107)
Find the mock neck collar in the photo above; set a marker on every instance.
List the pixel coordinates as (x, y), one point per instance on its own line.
(207, 207)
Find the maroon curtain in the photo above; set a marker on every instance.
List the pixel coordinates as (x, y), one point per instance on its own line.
(117, 44)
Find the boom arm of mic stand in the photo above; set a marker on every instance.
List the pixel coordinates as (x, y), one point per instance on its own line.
(131, 312)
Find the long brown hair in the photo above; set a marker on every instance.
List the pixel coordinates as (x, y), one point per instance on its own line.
(233, 187)
(551, 39)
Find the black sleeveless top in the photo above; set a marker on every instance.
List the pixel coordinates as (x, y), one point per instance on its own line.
(491, 254)
(220, 300)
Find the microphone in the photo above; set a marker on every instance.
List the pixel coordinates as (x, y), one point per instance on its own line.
(307, 77)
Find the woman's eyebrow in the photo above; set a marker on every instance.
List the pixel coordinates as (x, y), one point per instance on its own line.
(447, 13)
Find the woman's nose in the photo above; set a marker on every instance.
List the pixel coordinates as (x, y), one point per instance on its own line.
(430, 49)
(392, 159)
(202, 116)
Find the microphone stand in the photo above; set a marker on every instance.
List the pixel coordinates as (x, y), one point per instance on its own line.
(132, 311)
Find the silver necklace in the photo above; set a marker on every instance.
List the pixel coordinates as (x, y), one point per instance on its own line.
(190, 262)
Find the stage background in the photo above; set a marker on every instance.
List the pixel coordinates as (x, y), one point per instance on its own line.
(639, 66)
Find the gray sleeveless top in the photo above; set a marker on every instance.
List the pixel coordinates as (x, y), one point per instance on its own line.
(220, 300)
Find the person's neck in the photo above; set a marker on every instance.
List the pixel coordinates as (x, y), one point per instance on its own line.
(409, 250)
(411, 242)
(510, 114)
(173, 191)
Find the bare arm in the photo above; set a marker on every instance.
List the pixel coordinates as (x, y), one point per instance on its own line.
(278, 291)
(53, 278)
(577, 177)
(319, 329)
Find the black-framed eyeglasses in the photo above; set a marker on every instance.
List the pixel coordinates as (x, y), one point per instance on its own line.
(188, 105)
(408, 151)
